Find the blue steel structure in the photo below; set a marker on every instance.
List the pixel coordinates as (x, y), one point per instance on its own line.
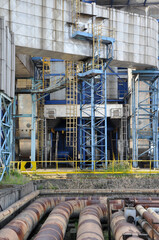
(6, 139)
(145, 115)
(93, 105)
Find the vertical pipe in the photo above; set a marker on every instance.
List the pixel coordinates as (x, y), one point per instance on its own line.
(134, 123)
(116, 154)
(155, 123)
(33, 124)
(14, 128)
(92, 124)
(10, 118)
(81, 132)
(105, 102)
(45, 142)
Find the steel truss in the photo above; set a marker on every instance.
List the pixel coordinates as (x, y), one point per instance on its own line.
(145, 92)
(6, 133)
(93, 93)
(93, 119)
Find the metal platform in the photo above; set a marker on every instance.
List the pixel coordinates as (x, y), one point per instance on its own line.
(90, 73)
(85, 36)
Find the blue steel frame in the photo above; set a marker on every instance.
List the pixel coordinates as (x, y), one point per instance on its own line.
(145, 115)
(6, 126)
(93, 119)
(93, 103)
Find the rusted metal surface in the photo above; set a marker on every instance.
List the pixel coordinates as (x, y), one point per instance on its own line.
(150, 218)
(14, 207)
(120, 226)
(148, 229)
(21, 226)
(151, 211)
(89, 226)
(55, 226)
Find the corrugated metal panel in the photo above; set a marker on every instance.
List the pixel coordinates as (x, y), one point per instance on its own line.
(7, 60)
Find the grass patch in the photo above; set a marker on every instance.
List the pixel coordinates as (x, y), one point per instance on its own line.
(122, 166)
(14, 177)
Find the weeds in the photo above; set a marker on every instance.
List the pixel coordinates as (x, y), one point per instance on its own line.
(14, 177)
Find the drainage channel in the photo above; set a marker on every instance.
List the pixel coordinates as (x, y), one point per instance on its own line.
(50, 216)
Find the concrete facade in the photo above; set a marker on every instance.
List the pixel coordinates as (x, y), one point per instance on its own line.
(44, 28)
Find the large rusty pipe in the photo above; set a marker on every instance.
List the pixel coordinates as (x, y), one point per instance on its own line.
(148, 229)
(17, 205)
(120, 226)
(150, 218)
(151, 211)
(21, 226)
(89, 226)
(55, 225)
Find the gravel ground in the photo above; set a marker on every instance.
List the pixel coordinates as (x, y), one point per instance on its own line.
(100, 183)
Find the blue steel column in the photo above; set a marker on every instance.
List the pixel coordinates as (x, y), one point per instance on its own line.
(33, 123)
(1, 128)
(14, 126)
(105, 102)
(134, 123)
(155, 121)
(92, 123)
(10, 121)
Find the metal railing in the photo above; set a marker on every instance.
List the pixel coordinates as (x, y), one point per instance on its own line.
(79, 167)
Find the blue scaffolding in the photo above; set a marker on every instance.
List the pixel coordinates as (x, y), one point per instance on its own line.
(145, 93)
(6, 133)
(93, 103)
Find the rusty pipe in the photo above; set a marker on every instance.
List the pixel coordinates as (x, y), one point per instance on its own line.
(151, 211)
(148, 229)
(120, 226)
(89, 225)
(21, 226)
(150, 218)
(55, 225)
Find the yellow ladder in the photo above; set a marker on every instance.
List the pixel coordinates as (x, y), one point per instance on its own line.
(40, 111)
(76, 9)
(71, 107)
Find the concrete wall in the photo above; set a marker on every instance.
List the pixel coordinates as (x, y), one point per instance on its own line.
(7, 60)
(57, 68)
(43, 28)
(12, 194)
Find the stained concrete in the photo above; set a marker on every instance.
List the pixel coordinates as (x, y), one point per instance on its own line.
(44, 28)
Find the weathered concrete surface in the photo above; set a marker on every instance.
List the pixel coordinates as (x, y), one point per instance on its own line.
(13, 193)
(24, 66)
(43, 28)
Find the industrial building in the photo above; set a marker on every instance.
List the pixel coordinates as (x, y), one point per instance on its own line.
(79, 83)
(79, 99)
